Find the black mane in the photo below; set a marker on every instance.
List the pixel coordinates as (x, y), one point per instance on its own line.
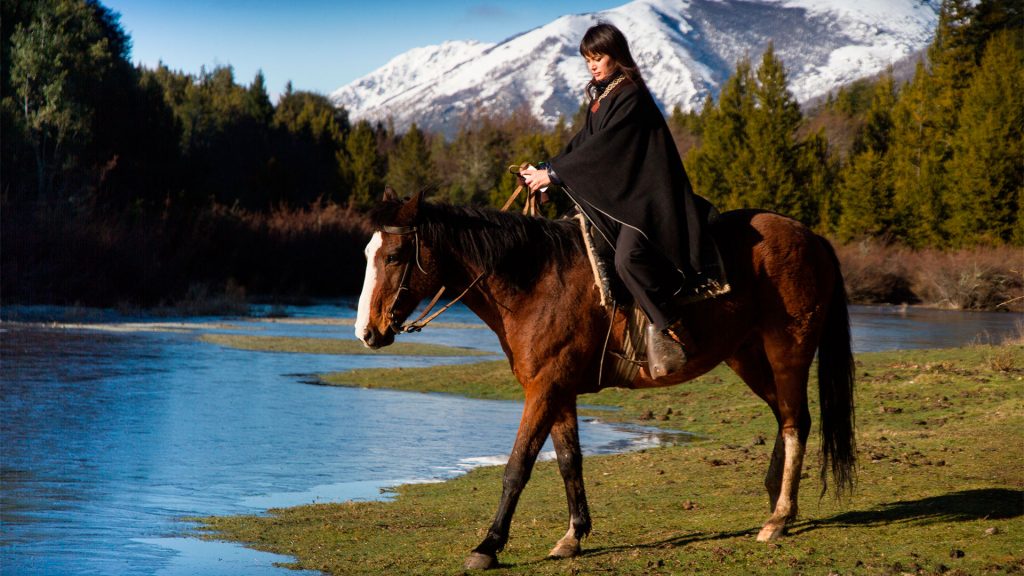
(509, 244)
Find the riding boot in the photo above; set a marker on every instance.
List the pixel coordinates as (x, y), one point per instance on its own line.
(664, 354)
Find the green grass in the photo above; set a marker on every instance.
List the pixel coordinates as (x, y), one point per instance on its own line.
(352, 321)
(332, 346)
(940, 484)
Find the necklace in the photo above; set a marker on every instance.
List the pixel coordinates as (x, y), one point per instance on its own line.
(604, 93)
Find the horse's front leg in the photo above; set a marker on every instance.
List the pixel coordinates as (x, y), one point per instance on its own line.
(539, 413)
(565, 435)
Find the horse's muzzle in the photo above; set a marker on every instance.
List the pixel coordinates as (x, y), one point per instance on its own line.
(374, 339)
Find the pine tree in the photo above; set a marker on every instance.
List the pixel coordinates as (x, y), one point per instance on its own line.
(719, 167)
(309, 113)
(818, 168)
(558, 138)
(310, 157)
(993, 16)
(917, 160)
(866, 182)
(987, 168)
(851, 99)
(258, 102)
(686, 129)
(477, 155)
(866, 192)
(952, 58)
(776, 183)
(750, 155)
(877, 130)
(410, 168)
(363, 166)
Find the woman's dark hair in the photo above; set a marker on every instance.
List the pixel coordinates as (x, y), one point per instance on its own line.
(605, 39)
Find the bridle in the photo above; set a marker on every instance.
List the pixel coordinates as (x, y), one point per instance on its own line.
(416, 325)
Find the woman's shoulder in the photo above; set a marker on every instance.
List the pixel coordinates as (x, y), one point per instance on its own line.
(630, 93)
(633, 90)
(629, 88)
(618, 92)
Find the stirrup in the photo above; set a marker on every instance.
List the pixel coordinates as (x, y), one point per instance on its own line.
(681, 336)
(664, 354)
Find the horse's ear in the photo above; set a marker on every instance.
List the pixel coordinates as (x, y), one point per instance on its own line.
(416, 200)
(411, 208)
(389, 194)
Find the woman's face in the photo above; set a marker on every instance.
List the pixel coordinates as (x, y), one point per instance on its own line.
(601, 66)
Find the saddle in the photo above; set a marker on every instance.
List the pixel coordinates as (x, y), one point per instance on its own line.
(711, 282)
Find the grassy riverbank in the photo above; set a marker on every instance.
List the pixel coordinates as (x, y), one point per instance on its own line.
(940, 491)
(332, 346)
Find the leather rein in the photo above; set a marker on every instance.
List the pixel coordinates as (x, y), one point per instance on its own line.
(419, 323)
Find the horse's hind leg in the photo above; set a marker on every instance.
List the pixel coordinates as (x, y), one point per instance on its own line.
(783, 481)
(776, 388)
(565, 436)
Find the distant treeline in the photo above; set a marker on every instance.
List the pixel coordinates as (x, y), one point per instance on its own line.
(117, 175)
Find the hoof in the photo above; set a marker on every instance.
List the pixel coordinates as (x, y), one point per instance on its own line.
(478, 561)
(566, 548)
(770, 531)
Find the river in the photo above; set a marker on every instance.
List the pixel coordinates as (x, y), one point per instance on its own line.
(113, 429)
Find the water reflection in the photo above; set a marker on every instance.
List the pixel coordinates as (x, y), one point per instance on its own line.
(877, 328)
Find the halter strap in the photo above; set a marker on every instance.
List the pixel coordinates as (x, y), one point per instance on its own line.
(399, 230)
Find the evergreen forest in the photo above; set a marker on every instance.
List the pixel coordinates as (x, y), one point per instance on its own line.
(126, 184)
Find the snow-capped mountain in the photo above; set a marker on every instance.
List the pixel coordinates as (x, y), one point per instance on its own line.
(686, 49)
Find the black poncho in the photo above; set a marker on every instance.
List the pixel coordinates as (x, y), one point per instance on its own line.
(624, 163)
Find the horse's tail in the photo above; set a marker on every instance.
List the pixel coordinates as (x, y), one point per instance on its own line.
(835, 390)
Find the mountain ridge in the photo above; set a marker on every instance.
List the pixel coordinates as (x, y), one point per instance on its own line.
(686, 50)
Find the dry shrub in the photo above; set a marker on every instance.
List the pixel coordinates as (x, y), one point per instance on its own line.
(981, 278)
(313, 251)
(876, 273)
(970, 279)
(1004, 359)
(200, 262)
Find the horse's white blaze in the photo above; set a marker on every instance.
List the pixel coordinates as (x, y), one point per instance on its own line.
(369, 281)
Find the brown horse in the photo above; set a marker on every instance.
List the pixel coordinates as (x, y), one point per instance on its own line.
(532, 284)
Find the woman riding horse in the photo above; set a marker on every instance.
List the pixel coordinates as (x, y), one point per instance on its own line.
(530, 281)
(624, 172)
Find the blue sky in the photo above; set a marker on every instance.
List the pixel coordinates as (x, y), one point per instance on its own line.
(319, 45)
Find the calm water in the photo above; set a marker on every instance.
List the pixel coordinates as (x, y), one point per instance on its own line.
(877, 328)
(109, 438)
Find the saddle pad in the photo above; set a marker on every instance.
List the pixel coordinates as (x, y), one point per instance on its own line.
(619, 367)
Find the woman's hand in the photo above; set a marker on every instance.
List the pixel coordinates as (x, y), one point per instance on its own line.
(535, 179)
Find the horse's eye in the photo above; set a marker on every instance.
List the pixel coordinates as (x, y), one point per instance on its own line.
(391, 258)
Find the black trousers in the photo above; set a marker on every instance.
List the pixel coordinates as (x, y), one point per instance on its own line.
(649, 276)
